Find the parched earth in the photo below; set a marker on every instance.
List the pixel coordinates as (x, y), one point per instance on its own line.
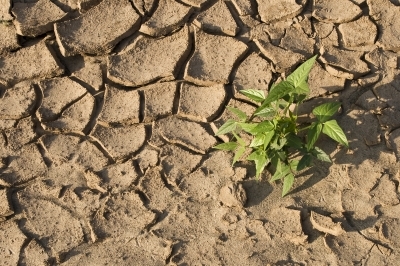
(108, 114)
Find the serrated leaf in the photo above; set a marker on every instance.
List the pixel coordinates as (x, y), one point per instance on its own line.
(239, 113)
(313, 134)
(304, 162)
(247, 127)
(301, 73)
(260, 159)
(334, 131)
(228, 146)
(279, 90)
(264, 126)
(325, 111)
(228, 126)
(258, 140)
(320, 155)
(287, 184)
(240, 151)
(255, 95)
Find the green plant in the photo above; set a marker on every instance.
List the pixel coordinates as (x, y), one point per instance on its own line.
(275, 133)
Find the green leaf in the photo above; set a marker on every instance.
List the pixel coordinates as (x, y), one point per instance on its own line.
(320, 155)
(333, 130)
(305, 162)
(228, 146)
(266, 112)
(293, 164)
(313, 134)
(302, 88)
(247, 127)
(255, 95)
(258, 140)
(260, 159)
(239, 139)
(278, 91)
(287, 184)
(281, 171)
(264, 126)
(239, 113)
(238, 154)
(294, 141)
(301, 73)
(229, 126)
(325, 111)
(268, 137)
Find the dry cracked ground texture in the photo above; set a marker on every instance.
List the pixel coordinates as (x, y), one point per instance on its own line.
(108, 111)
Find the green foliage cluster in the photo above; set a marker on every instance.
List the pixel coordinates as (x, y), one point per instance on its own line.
(275, 132)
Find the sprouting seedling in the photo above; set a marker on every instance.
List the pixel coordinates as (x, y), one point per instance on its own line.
(275, 133)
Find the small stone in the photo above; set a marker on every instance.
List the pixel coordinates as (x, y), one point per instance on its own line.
(98, 30)
(253, 73)
(325, 224)
(118, 177)
(34, 254)
(244, 7)
(297, 41)
(355, 35)
(148, 157)
(177, 163)
(283, 60)
(76, 117)
(18, 101)
(213, 59)
(321, 82)
(33, 166)
(233, 195)
(169, 16)
(28, 63)
(93, 182)
(58, 93)
(272, 11)
(122, 216)
(5, 6)
(120, 141)
(11, 241)
(158, 100)
(8, 37)
(386, 15)
(120, 106)
(341, 11)
(217, 19)
(385, 192)
(21, 135)
(349, 61)
(190, 134)
(6, 208)
(36, 18)
(134, 67)
(195, 102)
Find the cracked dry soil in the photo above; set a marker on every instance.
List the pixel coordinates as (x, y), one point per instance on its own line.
(108, 110)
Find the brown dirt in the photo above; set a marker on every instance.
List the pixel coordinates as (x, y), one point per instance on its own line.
(108, 111)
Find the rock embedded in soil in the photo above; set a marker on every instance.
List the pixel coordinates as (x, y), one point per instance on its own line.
(189, 134)
(135, 66)
(355, 33)
(233, 195)
(18, 101)
(8, 38)
(120, 106)
(201, 103)
(217, 19)
(98, 30)
(325, 224)
(158, 100)
(213, 59)
(272, 11)
(387, 18)
(283, 60)
(341, 11)
(36, 18)
(169, 16)
(28, 63)
(75, 118)
(57, 94)
(120, 141)
(253, 73)
(11, 242)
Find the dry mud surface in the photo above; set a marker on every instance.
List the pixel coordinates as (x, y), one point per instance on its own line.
(108, 110)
